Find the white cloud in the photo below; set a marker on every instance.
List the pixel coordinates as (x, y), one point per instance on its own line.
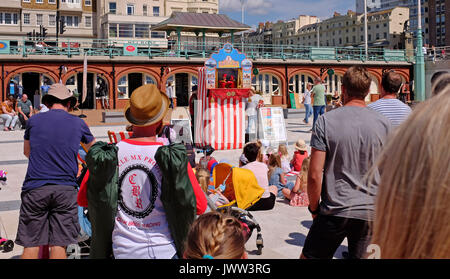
(253, 7)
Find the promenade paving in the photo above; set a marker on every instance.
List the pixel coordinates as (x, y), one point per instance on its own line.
(284, 228)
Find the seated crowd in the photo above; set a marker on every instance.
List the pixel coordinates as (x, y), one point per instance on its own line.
(147, 199)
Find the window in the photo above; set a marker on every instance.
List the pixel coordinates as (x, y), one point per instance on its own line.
(39, 19)
(71, 21)
(112, 7)
(130, 9)
(155, 11)
(26, 19)
(51, 20)
(9, 18)
(87, 2)
(39, 1)
(52, 1)
(113, 30)
(142, 31)
(125, 30)
(88, 21)
(144, 10)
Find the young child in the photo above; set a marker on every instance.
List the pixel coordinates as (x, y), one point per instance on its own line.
(215, 235)
(207, 161)
(276, 174)
(285, 165)
(299, 155)
(203, 178)
(298, 196)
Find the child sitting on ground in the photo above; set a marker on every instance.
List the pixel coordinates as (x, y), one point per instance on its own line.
(215, 195)
(298, 195)
(299, 155)
(276, 174)
(207, 161)
(285, 165)
(215, 235)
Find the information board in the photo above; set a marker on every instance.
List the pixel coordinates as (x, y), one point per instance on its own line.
(272, 126)
(182, 127)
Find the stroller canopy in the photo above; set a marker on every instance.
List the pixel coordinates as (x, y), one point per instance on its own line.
(241, 185)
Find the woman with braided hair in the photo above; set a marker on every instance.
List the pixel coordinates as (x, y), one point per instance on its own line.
(215, 235)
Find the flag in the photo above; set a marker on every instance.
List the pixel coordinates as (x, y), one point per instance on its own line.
(83, 97)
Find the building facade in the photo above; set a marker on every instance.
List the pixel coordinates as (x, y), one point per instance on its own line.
(439, 11)
(385, 29)
(19, 17)
(133, 19)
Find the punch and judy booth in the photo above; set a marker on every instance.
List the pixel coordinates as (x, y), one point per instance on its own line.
(224, 84)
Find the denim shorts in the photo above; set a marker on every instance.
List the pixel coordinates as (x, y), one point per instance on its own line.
(48, 216)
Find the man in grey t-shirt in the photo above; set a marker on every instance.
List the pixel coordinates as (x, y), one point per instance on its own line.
(345, 144)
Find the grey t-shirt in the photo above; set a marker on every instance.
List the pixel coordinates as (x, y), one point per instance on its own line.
(352, 138)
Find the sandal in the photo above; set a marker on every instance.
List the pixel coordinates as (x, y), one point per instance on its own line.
(6, 129)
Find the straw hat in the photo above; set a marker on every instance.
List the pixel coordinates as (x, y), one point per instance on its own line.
(61, 92)
(147, 106)
(300, 145)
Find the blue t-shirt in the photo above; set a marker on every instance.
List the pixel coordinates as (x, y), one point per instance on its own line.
(54, 137)
(275, 177)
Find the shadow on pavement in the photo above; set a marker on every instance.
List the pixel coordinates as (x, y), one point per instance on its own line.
(298, 239)
(306, 224)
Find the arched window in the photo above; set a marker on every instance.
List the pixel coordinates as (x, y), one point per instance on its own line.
(297, 83)
(334, 84)
(268, 85)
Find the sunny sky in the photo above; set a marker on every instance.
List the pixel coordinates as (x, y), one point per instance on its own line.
(272, 10)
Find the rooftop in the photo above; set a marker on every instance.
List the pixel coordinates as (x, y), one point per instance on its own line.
(192, 22)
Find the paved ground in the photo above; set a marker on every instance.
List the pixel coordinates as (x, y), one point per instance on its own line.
(284, 228)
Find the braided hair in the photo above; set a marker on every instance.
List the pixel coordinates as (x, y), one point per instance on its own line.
(216, 235)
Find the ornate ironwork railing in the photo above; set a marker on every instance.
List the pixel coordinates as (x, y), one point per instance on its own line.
(73, 47)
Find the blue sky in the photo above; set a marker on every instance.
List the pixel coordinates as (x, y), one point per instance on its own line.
(272, 10)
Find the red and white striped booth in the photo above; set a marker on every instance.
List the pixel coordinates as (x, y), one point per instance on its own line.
(116, 137)
(219, 116)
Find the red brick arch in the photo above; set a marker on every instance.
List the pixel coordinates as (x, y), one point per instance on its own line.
(35, 69)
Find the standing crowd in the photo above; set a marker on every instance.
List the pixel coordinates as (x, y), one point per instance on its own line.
(376, 174)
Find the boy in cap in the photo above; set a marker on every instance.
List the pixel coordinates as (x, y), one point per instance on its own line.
(48, 214)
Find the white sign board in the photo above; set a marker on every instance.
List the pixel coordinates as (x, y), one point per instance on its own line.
(182, 127)
(272, 126)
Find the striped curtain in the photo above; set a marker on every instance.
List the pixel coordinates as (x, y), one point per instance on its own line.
(219, 123)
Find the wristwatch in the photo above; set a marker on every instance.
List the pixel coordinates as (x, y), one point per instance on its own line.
(314, 212)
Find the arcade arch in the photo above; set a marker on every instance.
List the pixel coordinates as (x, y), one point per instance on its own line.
(183, 85)
(129, 82)
(34, 84)
(97, 88)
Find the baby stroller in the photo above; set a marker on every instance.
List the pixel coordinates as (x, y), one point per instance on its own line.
(6, 245)
(242, 190)
(82, 248)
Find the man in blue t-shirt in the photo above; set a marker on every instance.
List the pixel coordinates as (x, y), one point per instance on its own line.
(48, 214)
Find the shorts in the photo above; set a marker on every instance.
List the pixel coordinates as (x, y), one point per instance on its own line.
(48, 216)
(264, 204)
(327, 233)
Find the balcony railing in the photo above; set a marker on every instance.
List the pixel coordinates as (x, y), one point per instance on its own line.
(161, 48)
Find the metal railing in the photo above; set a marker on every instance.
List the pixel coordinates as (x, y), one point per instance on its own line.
(437, 54)
(74, 47)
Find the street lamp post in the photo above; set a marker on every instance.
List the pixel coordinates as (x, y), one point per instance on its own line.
(242, 17)
(318, 33)
(419, 67)
(366, 44)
